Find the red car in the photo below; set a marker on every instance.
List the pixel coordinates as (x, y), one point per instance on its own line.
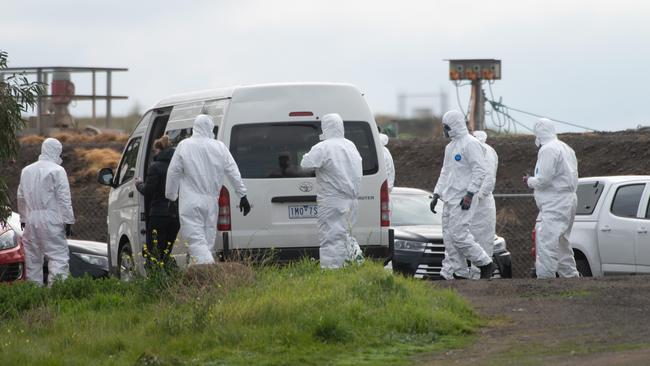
(12, 256)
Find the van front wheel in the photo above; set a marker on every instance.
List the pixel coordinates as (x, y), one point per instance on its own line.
(125, 264)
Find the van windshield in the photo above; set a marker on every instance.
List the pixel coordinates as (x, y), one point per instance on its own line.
(274, 150)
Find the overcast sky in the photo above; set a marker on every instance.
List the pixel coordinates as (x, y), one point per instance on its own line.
(586, 62)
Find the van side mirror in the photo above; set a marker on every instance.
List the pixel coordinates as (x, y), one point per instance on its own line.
(105, 177)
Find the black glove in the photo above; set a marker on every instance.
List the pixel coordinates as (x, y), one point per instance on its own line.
(244, 206)
(68, 230)
(466, 202)
(22, 226)
(434, 202)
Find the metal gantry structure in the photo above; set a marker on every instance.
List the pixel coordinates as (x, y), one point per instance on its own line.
(45, 73)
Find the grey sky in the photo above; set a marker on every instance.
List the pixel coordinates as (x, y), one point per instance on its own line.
(581, 61)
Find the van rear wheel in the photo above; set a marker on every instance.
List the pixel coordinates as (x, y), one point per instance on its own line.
(125, 264)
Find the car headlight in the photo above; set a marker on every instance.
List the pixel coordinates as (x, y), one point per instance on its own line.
(96, 260)
(499, 245)
(8, 240)
(413, 246)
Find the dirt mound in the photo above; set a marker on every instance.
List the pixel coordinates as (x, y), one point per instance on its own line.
(418, 161)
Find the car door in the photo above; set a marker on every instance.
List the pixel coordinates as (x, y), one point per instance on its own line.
(617, 229)
(124, 215)
(643, 235)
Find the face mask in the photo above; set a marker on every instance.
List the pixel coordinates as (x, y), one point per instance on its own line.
(445, 130)
(321, 137)
(537, 142)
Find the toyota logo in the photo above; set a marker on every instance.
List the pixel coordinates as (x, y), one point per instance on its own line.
(305, 187)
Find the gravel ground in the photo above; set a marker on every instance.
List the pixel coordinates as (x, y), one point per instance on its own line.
(586, 321)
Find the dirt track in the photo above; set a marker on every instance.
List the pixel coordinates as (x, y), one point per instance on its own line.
(586, 321)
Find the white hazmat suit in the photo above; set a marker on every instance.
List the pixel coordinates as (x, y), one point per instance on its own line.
(388, 160)
(195, 177)
(484, 217)
(463, 171)
(45, 207)
(338, 174)
(555, 184)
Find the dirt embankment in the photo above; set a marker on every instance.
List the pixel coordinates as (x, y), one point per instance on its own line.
(418, 162)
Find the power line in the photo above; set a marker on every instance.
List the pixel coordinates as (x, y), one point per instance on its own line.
(499, 104)
(458, 99)
(497, 107)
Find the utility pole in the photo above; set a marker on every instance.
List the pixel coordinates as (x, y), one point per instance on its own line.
(477, 107)
(476, 71)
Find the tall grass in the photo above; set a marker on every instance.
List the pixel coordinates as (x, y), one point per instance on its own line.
(232, 315)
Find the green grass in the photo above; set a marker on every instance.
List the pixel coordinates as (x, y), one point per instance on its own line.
(295, 315)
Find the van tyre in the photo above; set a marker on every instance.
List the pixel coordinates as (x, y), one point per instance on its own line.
(582, 265)
(125, 263)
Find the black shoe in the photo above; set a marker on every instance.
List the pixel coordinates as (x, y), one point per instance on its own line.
(457, 277)
(487, 270)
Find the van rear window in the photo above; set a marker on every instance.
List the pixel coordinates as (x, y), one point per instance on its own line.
(274, 150)
(588, 196)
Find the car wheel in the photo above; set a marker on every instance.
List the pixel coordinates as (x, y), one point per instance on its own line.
(125, 263)
(583, 267)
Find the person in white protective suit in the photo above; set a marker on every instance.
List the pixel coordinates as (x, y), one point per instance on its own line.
(338, 174)
(195, 177)
(484, 211)
(45, 209)
(555, 183)
(463, 172)
(388, 160)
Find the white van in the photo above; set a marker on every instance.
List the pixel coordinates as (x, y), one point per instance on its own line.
(268, 128)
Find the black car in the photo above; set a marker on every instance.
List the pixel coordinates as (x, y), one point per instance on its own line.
(419, 249)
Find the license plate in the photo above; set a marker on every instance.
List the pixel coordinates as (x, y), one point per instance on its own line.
(303, 212)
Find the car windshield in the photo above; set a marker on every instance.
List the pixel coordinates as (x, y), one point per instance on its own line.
(413, 209)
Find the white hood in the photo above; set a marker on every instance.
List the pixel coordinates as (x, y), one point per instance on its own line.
(456, 121)
(51, 151)
(544, 131)
(332, 126)
(203, 126)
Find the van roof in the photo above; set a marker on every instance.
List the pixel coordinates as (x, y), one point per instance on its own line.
(228, 92)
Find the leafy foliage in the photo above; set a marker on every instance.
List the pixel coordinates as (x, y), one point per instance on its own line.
(17, 95)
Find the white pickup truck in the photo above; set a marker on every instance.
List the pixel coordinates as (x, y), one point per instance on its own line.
(610, 233)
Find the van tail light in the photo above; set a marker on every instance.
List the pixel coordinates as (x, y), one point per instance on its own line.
(533, 247)
(384, 206)
(223, 222)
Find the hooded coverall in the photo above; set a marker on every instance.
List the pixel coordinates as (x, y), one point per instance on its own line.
(338, 174)
(555, 184)
(195, 176)
(45, 207)
(463, 171)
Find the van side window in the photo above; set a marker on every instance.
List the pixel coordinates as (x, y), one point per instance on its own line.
(274, 150)
(178, 135)
(126, 171)
(627, 199)
(647, 211)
